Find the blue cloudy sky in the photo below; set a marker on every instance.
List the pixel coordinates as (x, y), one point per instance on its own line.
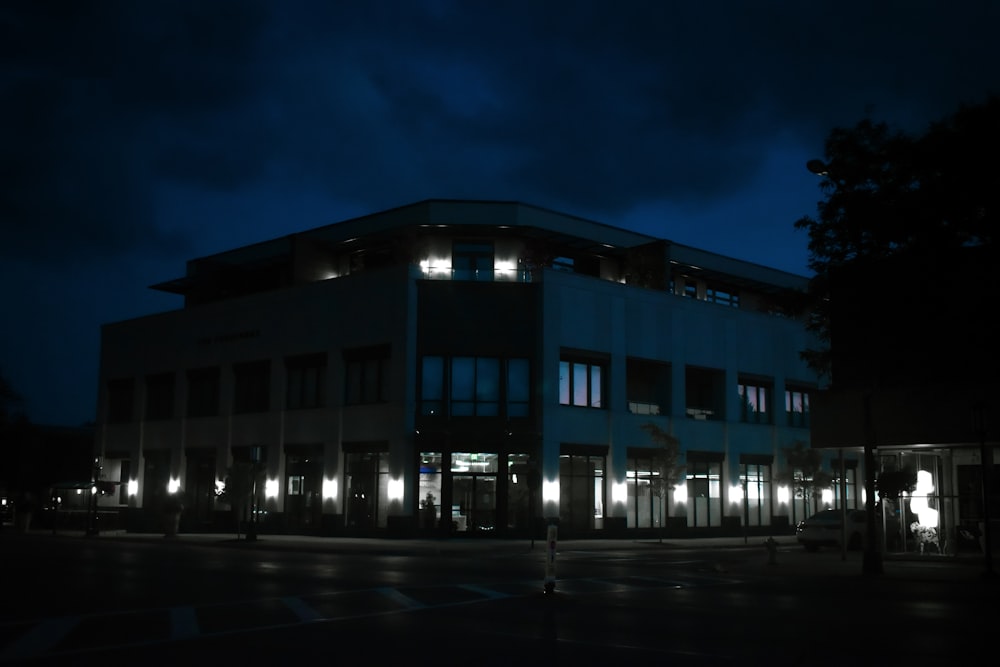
(137, 135)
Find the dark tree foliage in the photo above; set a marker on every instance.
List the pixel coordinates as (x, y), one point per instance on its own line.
(890, 194)
(804, 473)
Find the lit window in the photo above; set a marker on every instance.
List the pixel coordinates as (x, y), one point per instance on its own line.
(581, 383)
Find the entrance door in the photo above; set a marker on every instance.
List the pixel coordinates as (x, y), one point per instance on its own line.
(474, 492)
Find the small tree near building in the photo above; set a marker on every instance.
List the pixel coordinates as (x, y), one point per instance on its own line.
(804, 476)
(666, 470)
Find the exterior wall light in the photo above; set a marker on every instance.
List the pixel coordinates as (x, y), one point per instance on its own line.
(619, 493)
(174, 485)
(396, 489)
(133, 487)
(271, 488)
(784, 495)
(329, 489)
(681, 493)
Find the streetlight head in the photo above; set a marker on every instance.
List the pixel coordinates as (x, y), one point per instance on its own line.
(818, 167)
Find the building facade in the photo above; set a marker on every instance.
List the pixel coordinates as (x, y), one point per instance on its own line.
(471, 367)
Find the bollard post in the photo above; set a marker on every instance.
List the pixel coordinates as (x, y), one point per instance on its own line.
(550, 560)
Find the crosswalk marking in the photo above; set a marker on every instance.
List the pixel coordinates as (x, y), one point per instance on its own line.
(485, 592)
(183, 623)
(400, 599)
(304, 612)
(43, 637)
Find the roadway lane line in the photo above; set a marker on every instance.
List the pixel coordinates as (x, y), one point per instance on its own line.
(183, 623)
(41, 638)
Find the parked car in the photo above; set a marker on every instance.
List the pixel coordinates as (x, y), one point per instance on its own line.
(824, 529)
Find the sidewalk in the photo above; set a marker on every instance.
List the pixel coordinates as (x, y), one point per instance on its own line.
(790, 559)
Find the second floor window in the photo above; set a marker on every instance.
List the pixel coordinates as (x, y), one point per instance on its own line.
(160, 396)
(252, 387)
(472, 261)
(475, 386)
(797, 407)
(367, 375)
(754, 403)
(120, 397)
(203, 392)
(306, 377)
(581, 383)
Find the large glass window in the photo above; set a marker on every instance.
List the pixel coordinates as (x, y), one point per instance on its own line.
(472, 260)
(797, 407)
(645, 507)
(160, 396)
(120, 398)
(252, 387)
(755, 478)
(647, 387)
(704, 481)
(306, 376)
(429, 490)
(203, 392)
(474, 491)
(432, 386)
(581, 383)
(704, 393)
(754, 402)
(581, 491)
(367, 483)
(366, 375)
(518, 388)
(475, 386)
(521, 480)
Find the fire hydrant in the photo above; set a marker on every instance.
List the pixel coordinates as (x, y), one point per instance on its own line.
(772, 550)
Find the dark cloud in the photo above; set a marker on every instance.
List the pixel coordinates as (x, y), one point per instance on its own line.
(138, 134)
(588, 105)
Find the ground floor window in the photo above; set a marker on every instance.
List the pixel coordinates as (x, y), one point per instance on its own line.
(429, 489)
(646, 507)
(581, 491)
(521, 491)
(367, 483)
(704, 490)
(474, 491)
(755, 478)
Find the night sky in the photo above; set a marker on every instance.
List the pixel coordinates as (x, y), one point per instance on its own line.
(138, 135)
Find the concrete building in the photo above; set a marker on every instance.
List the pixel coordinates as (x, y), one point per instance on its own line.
(475, 367)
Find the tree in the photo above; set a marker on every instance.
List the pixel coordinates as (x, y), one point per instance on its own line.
(804, 475)
(889, 193)
(666, 470)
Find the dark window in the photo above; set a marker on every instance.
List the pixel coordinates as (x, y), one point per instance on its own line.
(160, 396)
(367, 375)
(252, 387)
(120, 399)
(647, 387)
(722, 296)
(306, 379)
(518, 388)
(432, 386)
(475, 386)
(203, 392)
(704, 393)
(472, 261)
